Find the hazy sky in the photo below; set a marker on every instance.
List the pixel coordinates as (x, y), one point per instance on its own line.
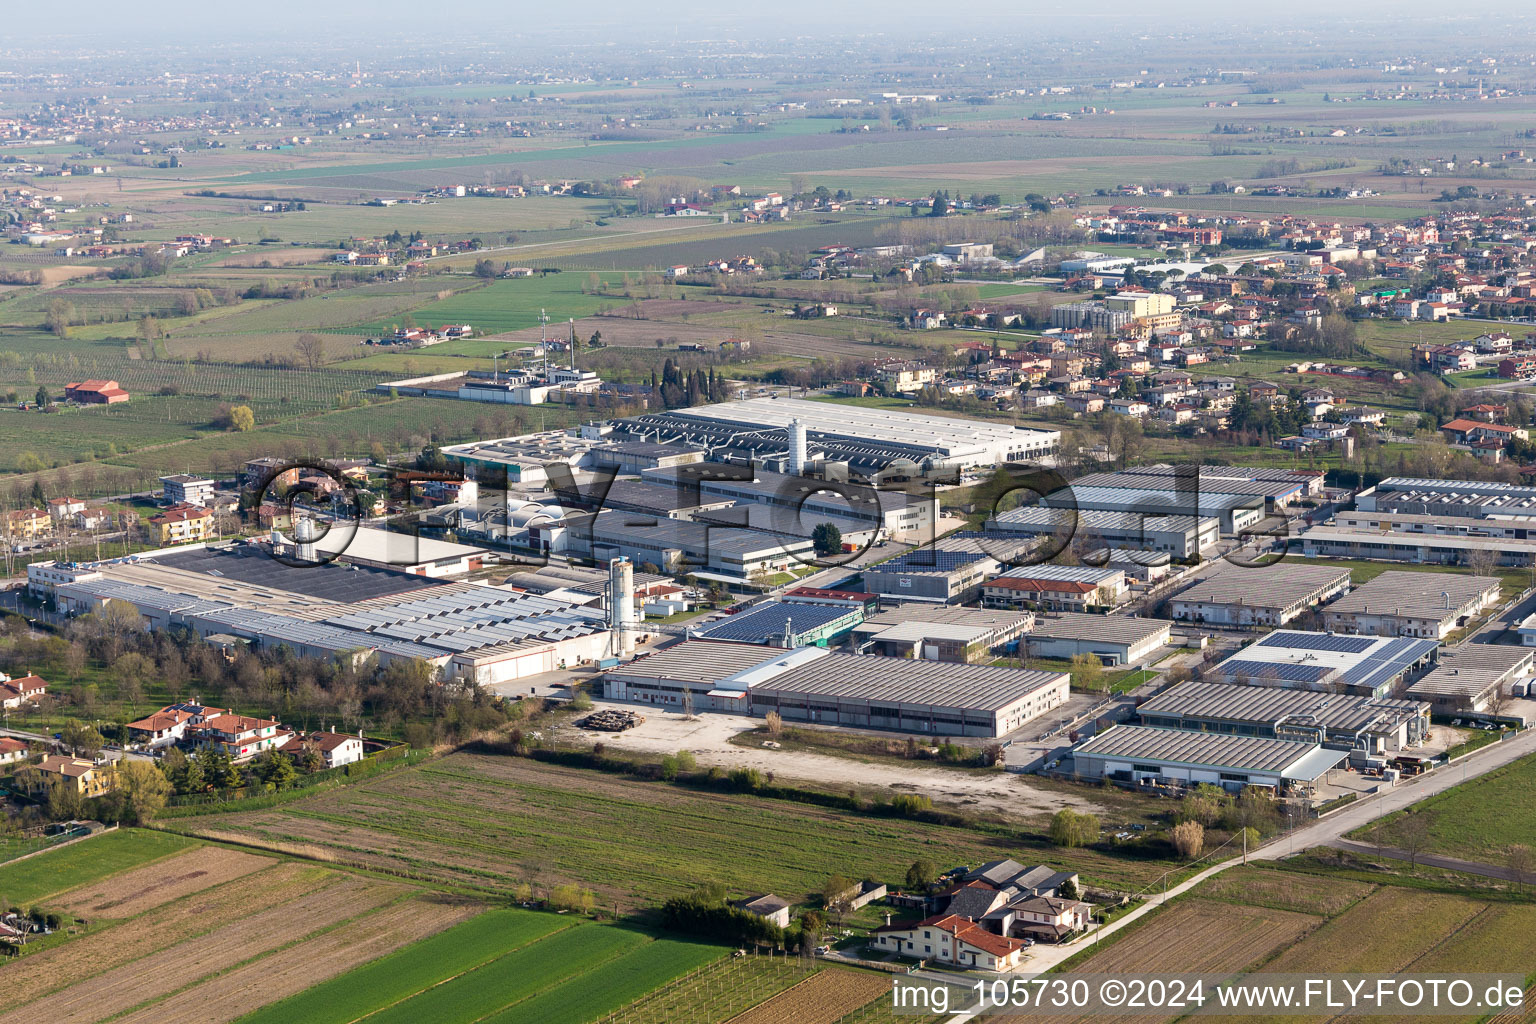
(339, 21)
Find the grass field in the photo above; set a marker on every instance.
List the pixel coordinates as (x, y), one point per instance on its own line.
(510, 305)
(83, 862)
(716, 992)
(1481, 819)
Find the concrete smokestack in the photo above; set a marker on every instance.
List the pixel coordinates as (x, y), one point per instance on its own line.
(797, 448)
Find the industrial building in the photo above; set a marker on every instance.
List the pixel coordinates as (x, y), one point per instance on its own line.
(940, 633)
(866, 440)
(384, 549)
(1419, 548)
(1235, 512)
(812, 684)
(1134, 753)
(1330, 662)
(951, 570)
(784, 624)
(1364, 723)
(480, 634)
(673, 545)
(1426, 604)
(1270, 595)
(1470, 677)
(1474, 499)
(1114, 639)
(1506, 525)
(1179, 536)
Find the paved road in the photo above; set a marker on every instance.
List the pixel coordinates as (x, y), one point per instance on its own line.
(1325, 832)
(1434, 860)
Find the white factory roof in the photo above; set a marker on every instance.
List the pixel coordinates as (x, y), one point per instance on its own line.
(1424, 594)
(1290, 759)
(945, 434)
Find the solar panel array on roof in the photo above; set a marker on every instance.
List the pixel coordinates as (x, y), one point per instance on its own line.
(1319, 642)
(1259, 671)
(929, 561)
(759, 624)
(253, 565)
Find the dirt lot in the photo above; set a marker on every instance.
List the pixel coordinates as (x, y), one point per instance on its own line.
(125, 987)
(708, 737)
(37, 974)
(232, 995)
(822, 998)
(133, 892)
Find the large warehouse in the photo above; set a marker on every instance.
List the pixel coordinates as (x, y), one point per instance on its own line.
(1462, 498)
(1370, 666)
(951, 570)
(1179, 536)
(1271, 595)
(1470, 675)
(1134, 753)
(1366, 723)
(1114, 639)
(1427, 604)
(811, 684)
(466, 631)
(867, 439)
(1420, 548)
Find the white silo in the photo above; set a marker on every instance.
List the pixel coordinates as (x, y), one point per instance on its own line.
(797, 448)
(621, 604)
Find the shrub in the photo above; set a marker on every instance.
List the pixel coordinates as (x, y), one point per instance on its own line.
(1070, 828)
(1188, 839)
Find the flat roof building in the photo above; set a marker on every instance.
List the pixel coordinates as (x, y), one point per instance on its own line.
(1134, 753)
(1426, 604)
(1421, 548)
(814, 685)
(1179, 536)
(1329, 662)
(1271, 595)
(951, 570)
(1368, 723)
(940, 633)
(1459, 498)
(1114, 639)
(1470, 676)
(867, 439)
(784, 624)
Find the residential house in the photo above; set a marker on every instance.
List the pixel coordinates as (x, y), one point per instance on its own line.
(182, 524)
(12, 750)
(1050, 918)
(28, 524)
(951, 939)
(338, 748)
(85, 777)
(240, 736)
(16, 692)
(1464, 431)
(60, 509)
(169, 725)
(183, 489)
(926, 319)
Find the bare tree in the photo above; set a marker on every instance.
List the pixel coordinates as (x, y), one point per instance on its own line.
(1412, 833)
(310, 349)
(1521, 863)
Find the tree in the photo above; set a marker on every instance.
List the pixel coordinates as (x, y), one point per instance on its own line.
(241, 419)
(827, 538)
(1068, 891)
(64, 801)
(1070, 828)
(485, 269)
(1521, 863)
(921, 874)
(82, 739)
(60, 314)
(1197, 807)
(1411, 832)
(43, 399)
(1087, 672)
(311, 350)
(144, 789)
(1188, 839)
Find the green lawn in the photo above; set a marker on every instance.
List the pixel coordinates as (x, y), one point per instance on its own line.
(1360, 571)
(86, 861)
(612, 986)
(1479, 820)
(514, 304)
(409, 971)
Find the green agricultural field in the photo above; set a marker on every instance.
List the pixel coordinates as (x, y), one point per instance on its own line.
(414, 969)
(614, 985)
(509, 305)
(86, 861)
(1480, 820)
(479, 820)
